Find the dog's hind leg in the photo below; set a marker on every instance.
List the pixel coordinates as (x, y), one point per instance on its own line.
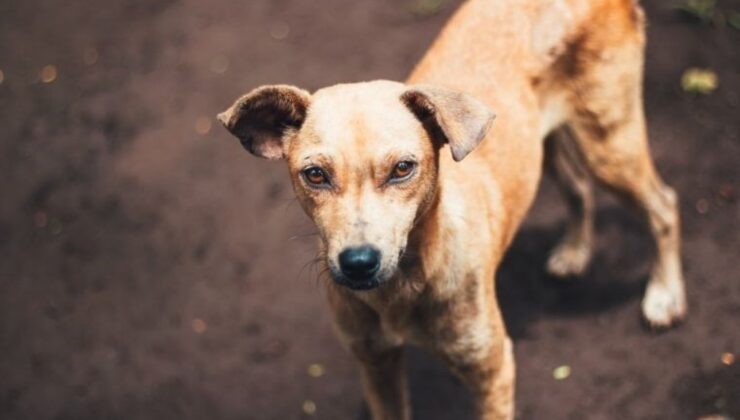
(564, 161)
(622, 162)
(604, 72)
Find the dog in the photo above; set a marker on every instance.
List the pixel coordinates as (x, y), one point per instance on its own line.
(417, 193)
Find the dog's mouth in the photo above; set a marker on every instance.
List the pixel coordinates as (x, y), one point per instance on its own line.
(356, 284)
(359, 285)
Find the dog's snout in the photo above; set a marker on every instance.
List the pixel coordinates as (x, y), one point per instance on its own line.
(359, 263)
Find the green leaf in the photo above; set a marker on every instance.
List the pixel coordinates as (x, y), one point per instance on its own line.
(702, 81)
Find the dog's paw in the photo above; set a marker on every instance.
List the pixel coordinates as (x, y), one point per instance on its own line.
(664, 305)
(569, 259)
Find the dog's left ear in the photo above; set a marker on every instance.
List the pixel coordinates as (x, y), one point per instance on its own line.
(451, 117)
(262, 118)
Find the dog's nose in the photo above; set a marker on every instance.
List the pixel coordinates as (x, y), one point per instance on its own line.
(359, 263)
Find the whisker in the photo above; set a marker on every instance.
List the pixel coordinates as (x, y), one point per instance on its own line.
(310, 263)
(303, 235)
(317, 268)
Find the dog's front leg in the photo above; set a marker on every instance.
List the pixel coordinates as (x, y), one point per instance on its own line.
(493, 382)
(384, 383)
(474, 343)
(490, 377)
(379, 353)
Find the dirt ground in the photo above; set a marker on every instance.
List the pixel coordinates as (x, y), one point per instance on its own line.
(151, 269)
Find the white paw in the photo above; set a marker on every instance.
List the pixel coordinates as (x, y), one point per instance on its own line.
(664, 303)
(569, 260)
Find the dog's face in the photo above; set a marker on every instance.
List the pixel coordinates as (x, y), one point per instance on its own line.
(363, 160)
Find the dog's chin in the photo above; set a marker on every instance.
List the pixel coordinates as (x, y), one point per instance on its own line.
(368, 284)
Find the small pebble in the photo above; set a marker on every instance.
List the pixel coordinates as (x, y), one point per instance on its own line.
(561, 372)
(2, 77)
(309, 407)
(728, 358)
(315, 370)
(702, 206)
(48, 73)
(202, 125)
(199, 326)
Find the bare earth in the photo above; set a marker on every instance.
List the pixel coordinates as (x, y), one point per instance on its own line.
(147, 269)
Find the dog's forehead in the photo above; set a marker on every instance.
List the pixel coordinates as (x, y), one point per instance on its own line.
(360, 112)
(358, 94)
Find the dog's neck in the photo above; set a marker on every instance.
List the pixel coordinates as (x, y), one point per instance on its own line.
(429, 258)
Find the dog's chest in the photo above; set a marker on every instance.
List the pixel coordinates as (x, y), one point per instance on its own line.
(423, 320)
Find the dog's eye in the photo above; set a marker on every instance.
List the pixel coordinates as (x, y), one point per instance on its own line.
(402, 170)
(315, 176)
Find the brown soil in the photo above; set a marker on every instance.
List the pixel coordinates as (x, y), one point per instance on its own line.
(148, 271)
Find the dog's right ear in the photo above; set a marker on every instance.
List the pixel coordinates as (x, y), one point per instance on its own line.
(262, 118)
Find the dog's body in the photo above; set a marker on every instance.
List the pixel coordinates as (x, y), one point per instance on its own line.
(428, 238)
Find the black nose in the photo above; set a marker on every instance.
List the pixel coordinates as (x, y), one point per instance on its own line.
(359, 263)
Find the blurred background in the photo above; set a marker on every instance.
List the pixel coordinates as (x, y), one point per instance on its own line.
(152, 269)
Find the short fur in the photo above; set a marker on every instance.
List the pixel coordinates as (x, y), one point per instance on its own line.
(567, 69)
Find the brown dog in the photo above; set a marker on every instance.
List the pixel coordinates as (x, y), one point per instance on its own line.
(411, 235)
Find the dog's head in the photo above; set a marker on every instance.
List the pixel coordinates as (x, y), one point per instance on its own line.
(363, 159)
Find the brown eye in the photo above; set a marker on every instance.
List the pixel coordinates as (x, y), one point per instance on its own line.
(402, 170)
(315, 176)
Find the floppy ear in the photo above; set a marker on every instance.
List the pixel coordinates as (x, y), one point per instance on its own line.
(450, 117)
(261, 118)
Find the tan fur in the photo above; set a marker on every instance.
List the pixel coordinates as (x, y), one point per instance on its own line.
(571, 68)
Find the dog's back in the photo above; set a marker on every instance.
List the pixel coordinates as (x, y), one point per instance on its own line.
(525, 58)
(489, 46)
